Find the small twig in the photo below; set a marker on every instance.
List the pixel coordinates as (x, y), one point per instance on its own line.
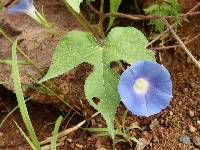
(93, 8)
(83, 21)
(144, 17)
(194, 8)
(67, 131)
(177, 45)
(101, 20)
(196, 62)
(161, 34)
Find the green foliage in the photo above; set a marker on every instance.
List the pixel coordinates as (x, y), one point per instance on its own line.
(55, 133)
(122, 43)
(114, 5)
(9, 62)
(75, 4)
(20, 97)
(122, 132)
(166, 8)
(1, 6)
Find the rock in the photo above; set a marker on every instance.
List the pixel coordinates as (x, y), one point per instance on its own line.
(69, 140)
(154, 124)
(192, 128)
(143, 143)
(170, 113)
(183, 131)
(185, 139)
(196, 141)
(180, 102)
(191, 113)
(198, 121)
(79, 146)
(185, 90)
(155, 139)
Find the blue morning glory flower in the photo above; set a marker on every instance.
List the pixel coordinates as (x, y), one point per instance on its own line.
(27, 7)
(145, 88)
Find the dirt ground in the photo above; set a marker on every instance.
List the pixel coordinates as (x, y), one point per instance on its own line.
(162, 131)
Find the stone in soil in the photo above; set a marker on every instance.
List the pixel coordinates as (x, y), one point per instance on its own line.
(191, 113)
(155, 123)
(196, 141)
(192, 129)
(185, 139)
(143, 143)
(198, 121)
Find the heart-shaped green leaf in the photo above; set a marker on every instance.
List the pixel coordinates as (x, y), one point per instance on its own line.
(122, 43)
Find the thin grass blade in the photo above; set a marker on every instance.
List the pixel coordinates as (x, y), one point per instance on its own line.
(20, 97)
(55, 133)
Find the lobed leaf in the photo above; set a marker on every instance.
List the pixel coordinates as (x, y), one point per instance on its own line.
(122, 43)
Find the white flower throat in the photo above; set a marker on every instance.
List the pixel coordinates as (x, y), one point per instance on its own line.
(141, 86)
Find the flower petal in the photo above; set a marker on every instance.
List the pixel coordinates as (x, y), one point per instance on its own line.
(134, 103)
(156, 101)
(22, 6)
(155, 71)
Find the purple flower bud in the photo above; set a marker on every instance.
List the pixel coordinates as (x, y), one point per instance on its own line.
(145, 88)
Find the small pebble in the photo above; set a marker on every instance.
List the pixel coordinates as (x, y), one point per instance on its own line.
(154, 124)
(198, 121)
(185, 90)
(69, 140)
(143, 144)
(155, 139)
(180, 102)
(183, 131)
(192, 128)
(170, 113)
(193, 84)
(79, 146)
(185, 139)
(196, 141)
(191, 113)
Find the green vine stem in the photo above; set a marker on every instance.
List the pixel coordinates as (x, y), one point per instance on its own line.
(101, 20)
(84, 22)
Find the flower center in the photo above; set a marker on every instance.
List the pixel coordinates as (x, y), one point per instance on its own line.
(141, 86)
